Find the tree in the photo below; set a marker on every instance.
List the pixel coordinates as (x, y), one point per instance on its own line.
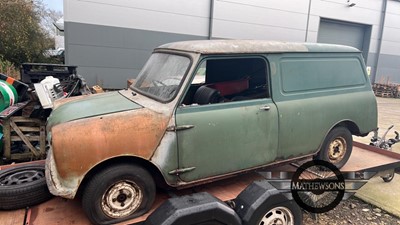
(22, 36)
(49, 17)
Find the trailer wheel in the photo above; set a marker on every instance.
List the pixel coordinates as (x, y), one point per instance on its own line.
(118, 193)
(23, 186)
(285, 213)
(261, 203)
(337, 147)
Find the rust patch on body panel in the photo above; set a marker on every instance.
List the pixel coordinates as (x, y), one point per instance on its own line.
(81, 144)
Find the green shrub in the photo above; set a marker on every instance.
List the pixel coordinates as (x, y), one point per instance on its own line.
(7, 68)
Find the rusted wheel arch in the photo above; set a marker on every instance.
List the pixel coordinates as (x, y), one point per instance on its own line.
(151, 168)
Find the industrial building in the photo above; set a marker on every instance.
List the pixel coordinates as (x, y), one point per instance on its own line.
(110, 41)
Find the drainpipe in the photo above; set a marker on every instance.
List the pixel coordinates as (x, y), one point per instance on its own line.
(308, 20)
(383, 18)
(210, 24)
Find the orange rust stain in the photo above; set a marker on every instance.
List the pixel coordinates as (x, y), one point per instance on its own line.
(79, 145)
(49, 209)
(10, 80)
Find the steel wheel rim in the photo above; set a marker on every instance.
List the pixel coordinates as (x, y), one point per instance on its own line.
(337, 149)
(21, 177)
(121, 199)
(278, 216)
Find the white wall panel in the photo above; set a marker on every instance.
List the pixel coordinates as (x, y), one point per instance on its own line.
(184, 7)
(312, 36)
(234, 30)
(392, 34)
(392, 20)
(243, 19)
(393, 7)
(178, 16)
(313, 24)
(390, 48)
(301, 6)
(366, 4)
(240, 13)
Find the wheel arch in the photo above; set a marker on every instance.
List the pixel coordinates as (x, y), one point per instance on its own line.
(350, 125)
(151, 168)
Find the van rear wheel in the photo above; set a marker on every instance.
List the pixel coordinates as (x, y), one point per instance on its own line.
(337, 147)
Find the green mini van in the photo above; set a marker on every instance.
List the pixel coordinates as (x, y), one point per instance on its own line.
(205, 110)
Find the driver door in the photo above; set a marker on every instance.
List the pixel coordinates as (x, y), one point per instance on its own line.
(229, 136)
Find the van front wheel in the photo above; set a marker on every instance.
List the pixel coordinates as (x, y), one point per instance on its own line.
(118, 193)
(337, 147)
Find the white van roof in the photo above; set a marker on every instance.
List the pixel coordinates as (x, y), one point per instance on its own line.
(252, 46)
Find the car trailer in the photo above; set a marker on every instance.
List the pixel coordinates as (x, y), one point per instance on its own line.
(238, 200)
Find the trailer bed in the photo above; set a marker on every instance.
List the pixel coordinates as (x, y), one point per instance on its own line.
(364, 158)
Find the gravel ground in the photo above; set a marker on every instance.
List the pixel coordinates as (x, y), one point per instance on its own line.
(352, 211)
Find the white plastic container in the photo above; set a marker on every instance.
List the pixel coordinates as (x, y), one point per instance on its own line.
(46, 92)
(49, 83)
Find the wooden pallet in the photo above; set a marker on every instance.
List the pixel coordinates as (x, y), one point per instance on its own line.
(384, 94)
(386, 90)
(27, 130)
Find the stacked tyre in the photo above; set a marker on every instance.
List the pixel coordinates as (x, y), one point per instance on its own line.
(23, 186)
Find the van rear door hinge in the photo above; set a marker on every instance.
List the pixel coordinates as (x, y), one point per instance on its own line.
(181, 170)
(178, 128)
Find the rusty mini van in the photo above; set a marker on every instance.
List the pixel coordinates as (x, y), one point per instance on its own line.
(205, 110)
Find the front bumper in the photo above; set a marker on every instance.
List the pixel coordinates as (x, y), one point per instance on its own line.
(53, 181)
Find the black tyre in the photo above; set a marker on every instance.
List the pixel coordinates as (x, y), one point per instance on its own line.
(285, 213)
(388, 177)
(337, 147)
(118, 193)
(23, 186)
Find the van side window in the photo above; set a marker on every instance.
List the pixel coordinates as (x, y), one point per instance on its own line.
(227, 80)
(309, 74)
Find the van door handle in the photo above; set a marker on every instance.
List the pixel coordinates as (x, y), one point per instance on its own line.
(265, 107)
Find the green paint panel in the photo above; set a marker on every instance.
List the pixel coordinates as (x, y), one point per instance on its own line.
(320, 73)
(93, 105)
(304, 123)
(307, 112)
(226, 137)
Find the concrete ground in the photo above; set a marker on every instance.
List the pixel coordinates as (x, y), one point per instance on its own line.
(384, 195)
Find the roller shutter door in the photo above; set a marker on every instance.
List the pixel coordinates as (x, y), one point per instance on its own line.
(335, 32)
